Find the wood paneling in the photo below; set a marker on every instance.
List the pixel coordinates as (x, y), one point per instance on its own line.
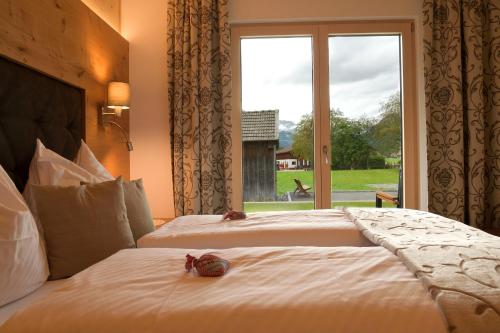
(108, 10)
(66, 40)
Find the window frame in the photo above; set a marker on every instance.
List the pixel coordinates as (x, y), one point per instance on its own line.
(319, 32)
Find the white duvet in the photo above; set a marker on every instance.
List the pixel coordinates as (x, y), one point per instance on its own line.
(327, 227)
(300, 289)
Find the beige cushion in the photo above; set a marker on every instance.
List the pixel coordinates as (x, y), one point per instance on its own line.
(50, 168)
(82, 224)
(138, 212)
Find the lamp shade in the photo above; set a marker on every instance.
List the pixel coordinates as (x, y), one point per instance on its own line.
(118, 95)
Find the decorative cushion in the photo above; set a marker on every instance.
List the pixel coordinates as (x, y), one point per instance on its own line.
(82, 224)
(138, 212)
(50, 168)
(23, 264)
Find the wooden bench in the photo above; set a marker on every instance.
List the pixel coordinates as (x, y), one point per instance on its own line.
(301, 189)
(396, 200)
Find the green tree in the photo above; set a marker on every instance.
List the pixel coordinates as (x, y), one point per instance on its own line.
(356, 143)
(350, 139)
(303, 139)
(386, 133)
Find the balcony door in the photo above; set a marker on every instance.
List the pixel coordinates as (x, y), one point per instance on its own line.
(323, 115)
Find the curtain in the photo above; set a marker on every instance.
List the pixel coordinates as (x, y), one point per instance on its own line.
(199, 91)
(462, 81)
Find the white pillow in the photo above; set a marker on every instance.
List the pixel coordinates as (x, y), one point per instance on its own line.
(87, 160)
(23, 263)
(50, 168)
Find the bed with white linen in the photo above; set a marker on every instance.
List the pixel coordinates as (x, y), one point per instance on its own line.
(329, 227)
(299, 289)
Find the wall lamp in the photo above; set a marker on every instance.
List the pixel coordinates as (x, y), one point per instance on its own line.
(118, 100)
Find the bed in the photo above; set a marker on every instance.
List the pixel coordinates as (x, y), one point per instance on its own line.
(329, 227)
(301, 289)
(429, 274)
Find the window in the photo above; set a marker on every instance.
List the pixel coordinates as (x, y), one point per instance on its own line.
(345, 75)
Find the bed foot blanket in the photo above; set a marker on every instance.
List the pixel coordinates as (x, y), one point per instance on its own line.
(458, 264)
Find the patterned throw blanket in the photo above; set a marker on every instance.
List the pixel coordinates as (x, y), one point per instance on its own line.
(458, 264)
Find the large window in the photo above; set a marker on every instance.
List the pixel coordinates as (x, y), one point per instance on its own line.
(323, 115)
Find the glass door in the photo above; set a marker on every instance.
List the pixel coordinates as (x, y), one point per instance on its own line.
(277, 132)
(365, 119)
(324, 116)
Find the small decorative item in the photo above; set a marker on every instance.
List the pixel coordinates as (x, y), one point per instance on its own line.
(207, 265)
(234, 215)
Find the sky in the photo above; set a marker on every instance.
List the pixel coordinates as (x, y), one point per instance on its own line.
(277, 74)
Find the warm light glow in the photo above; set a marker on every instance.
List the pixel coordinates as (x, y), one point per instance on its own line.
(118, 96)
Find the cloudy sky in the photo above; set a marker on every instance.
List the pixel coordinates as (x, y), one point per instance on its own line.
(277, 74)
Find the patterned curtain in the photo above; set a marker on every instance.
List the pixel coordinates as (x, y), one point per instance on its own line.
(199, 90)
(462, 78)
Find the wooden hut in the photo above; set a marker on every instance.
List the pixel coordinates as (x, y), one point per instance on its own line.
(260, 136)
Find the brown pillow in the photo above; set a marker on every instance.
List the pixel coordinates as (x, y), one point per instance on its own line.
(82, 225)
(138, 212)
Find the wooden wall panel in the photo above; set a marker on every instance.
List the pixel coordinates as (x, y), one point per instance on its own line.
(108, 10)
(66, 40)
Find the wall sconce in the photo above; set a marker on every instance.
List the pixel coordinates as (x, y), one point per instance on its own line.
(118, 100)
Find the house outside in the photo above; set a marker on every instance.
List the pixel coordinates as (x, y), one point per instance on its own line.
(260, 136)
(285, 160)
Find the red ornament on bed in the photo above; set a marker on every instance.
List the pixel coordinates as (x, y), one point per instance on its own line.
(207, 265)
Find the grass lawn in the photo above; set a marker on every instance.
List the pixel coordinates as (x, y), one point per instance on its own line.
(341, 179)
(393, 160)
(251, 207)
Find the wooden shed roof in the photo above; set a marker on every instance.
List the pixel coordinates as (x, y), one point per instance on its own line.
(260, 125)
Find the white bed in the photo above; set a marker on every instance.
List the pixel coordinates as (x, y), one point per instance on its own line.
(295, 289)
(329, 227)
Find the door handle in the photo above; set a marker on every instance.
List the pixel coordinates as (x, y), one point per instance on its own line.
(325, 153)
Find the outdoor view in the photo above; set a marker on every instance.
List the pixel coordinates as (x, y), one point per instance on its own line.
(277, 121)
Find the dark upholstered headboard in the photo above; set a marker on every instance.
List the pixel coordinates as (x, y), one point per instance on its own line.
(33, 106)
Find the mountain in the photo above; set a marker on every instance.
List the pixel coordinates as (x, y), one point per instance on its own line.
(287, 125)
(287, 131)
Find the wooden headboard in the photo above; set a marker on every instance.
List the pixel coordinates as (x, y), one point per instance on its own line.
(33, 106)
(65, 40)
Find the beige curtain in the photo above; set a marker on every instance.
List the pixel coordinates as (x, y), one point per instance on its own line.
(462, 77)
(199, 90)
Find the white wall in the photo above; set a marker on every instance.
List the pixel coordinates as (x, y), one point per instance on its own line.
(145, 28)
(300, 10)
(144, 25)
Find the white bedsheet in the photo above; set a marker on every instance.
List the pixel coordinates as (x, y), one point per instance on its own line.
(329, 227)
(299, 289)
(8, 310)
